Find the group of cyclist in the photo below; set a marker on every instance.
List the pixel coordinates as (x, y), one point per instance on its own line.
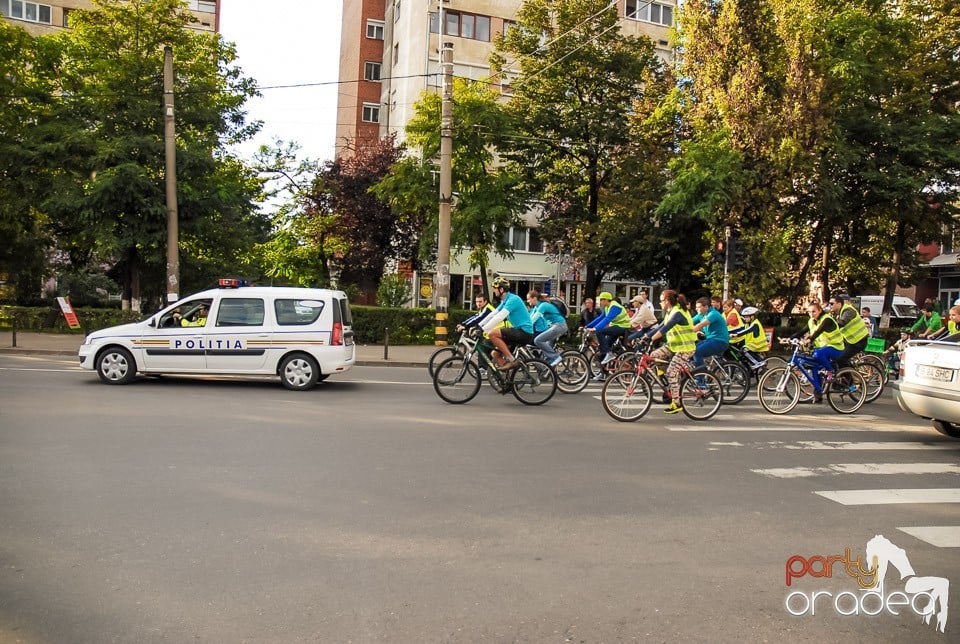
(837, 332)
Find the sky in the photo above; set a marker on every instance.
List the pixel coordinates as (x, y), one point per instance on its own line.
(288, 42)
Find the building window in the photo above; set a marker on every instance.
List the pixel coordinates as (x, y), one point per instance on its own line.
(465, 25)
(371, 71)
(29, 11)
(523, 239)
(654, 12)
(371, 113)
(375, 29)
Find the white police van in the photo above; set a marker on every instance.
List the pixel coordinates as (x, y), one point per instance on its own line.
(301, 334)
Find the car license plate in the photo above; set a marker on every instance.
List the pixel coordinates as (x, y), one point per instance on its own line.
(934, 373)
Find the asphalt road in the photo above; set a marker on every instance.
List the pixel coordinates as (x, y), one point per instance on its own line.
(367, 510)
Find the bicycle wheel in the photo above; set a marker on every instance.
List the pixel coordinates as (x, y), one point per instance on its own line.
(807, 391)
(735, 381)
(626, 395)
(534, 382)
(876, 361)
(778, 390)
(595, 367)
(456, 380)
(773, 362)
(701, 395)
(874, 379)
(439, 356)
(573, 373)
(847, 391)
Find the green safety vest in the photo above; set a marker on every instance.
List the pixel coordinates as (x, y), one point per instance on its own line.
(757, 343)
(856, 329)
(827, 338)
(681, 338)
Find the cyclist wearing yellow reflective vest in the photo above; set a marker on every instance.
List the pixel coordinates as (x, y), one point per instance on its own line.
(952, 327)
(852, 327)
(825, 334)
(614, 322)
(753, 335)
(677, 328)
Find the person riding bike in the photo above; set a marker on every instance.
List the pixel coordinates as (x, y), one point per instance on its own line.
(614, 322)
(716, 336)
(852, 327)
(677, 327)
(513, 310)
(825, 334)
(548, 325)
(755, 338)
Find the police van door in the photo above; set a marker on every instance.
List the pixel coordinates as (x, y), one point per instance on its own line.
(237, 338)
(176, 343)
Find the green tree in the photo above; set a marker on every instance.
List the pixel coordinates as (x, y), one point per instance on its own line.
(486, 196)
(109, 151)
(26, 103)
(578, 78)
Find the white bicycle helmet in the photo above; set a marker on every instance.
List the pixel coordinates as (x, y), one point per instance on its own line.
(749, 310)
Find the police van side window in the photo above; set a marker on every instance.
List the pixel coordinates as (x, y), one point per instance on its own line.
(240, 311)
(297, 312)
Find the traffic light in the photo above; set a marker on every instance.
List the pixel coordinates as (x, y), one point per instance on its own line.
(720, 252)
(737, 254)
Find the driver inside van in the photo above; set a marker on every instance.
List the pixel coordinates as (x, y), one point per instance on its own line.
(199, 319)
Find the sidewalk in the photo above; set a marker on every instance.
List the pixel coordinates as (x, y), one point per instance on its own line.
(63, 344)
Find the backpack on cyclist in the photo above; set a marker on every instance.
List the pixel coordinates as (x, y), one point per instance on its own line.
(560, 304)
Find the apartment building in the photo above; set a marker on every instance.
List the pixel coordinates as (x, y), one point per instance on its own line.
(390, 55)
(48, 17)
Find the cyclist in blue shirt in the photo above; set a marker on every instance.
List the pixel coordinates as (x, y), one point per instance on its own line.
(513, 310)
(714, 326)
(548, 325)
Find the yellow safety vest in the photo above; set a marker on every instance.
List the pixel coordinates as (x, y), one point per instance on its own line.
(856, 329)
(739, 324)
(622, 319)
(827, 338)
(681, 338)
(757, 343)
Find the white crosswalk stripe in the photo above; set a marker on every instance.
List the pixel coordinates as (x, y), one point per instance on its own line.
(938, 536)
(884, 497)
(861, 468)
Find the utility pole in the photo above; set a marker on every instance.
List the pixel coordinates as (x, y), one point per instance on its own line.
(726, 263)
(170, 149)
(442, 280)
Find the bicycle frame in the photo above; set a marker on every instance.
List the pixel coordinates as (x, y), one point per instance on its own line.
(801, 362)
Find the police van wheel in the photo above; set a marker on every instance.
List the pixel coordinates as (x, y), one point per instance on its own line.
(299, 372)
(115, 366)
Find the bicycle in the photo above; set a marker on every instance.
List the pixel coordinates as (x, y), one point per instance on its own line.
(464, 345)
(779, 389)
(734, 378)
(457, 379)
(628, 394)
(573, 372)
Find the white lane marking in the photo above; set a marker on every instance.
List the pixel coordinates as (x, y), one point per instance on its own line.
(772, 428)
(845, 445)
(942, 536)
(867, 445)
(860, 468)
(68, 370)
(895, 496)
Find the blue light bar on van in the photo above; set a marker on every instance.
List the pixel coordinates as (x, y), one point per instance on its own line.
(232, 282)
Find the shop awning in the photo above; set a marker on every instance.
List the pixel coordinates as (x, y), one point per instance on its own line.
(524, 277)
(946, 259)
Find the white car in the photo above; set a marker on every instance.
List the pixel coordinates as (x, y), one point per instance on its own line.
(302, 335)
(929, 384)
